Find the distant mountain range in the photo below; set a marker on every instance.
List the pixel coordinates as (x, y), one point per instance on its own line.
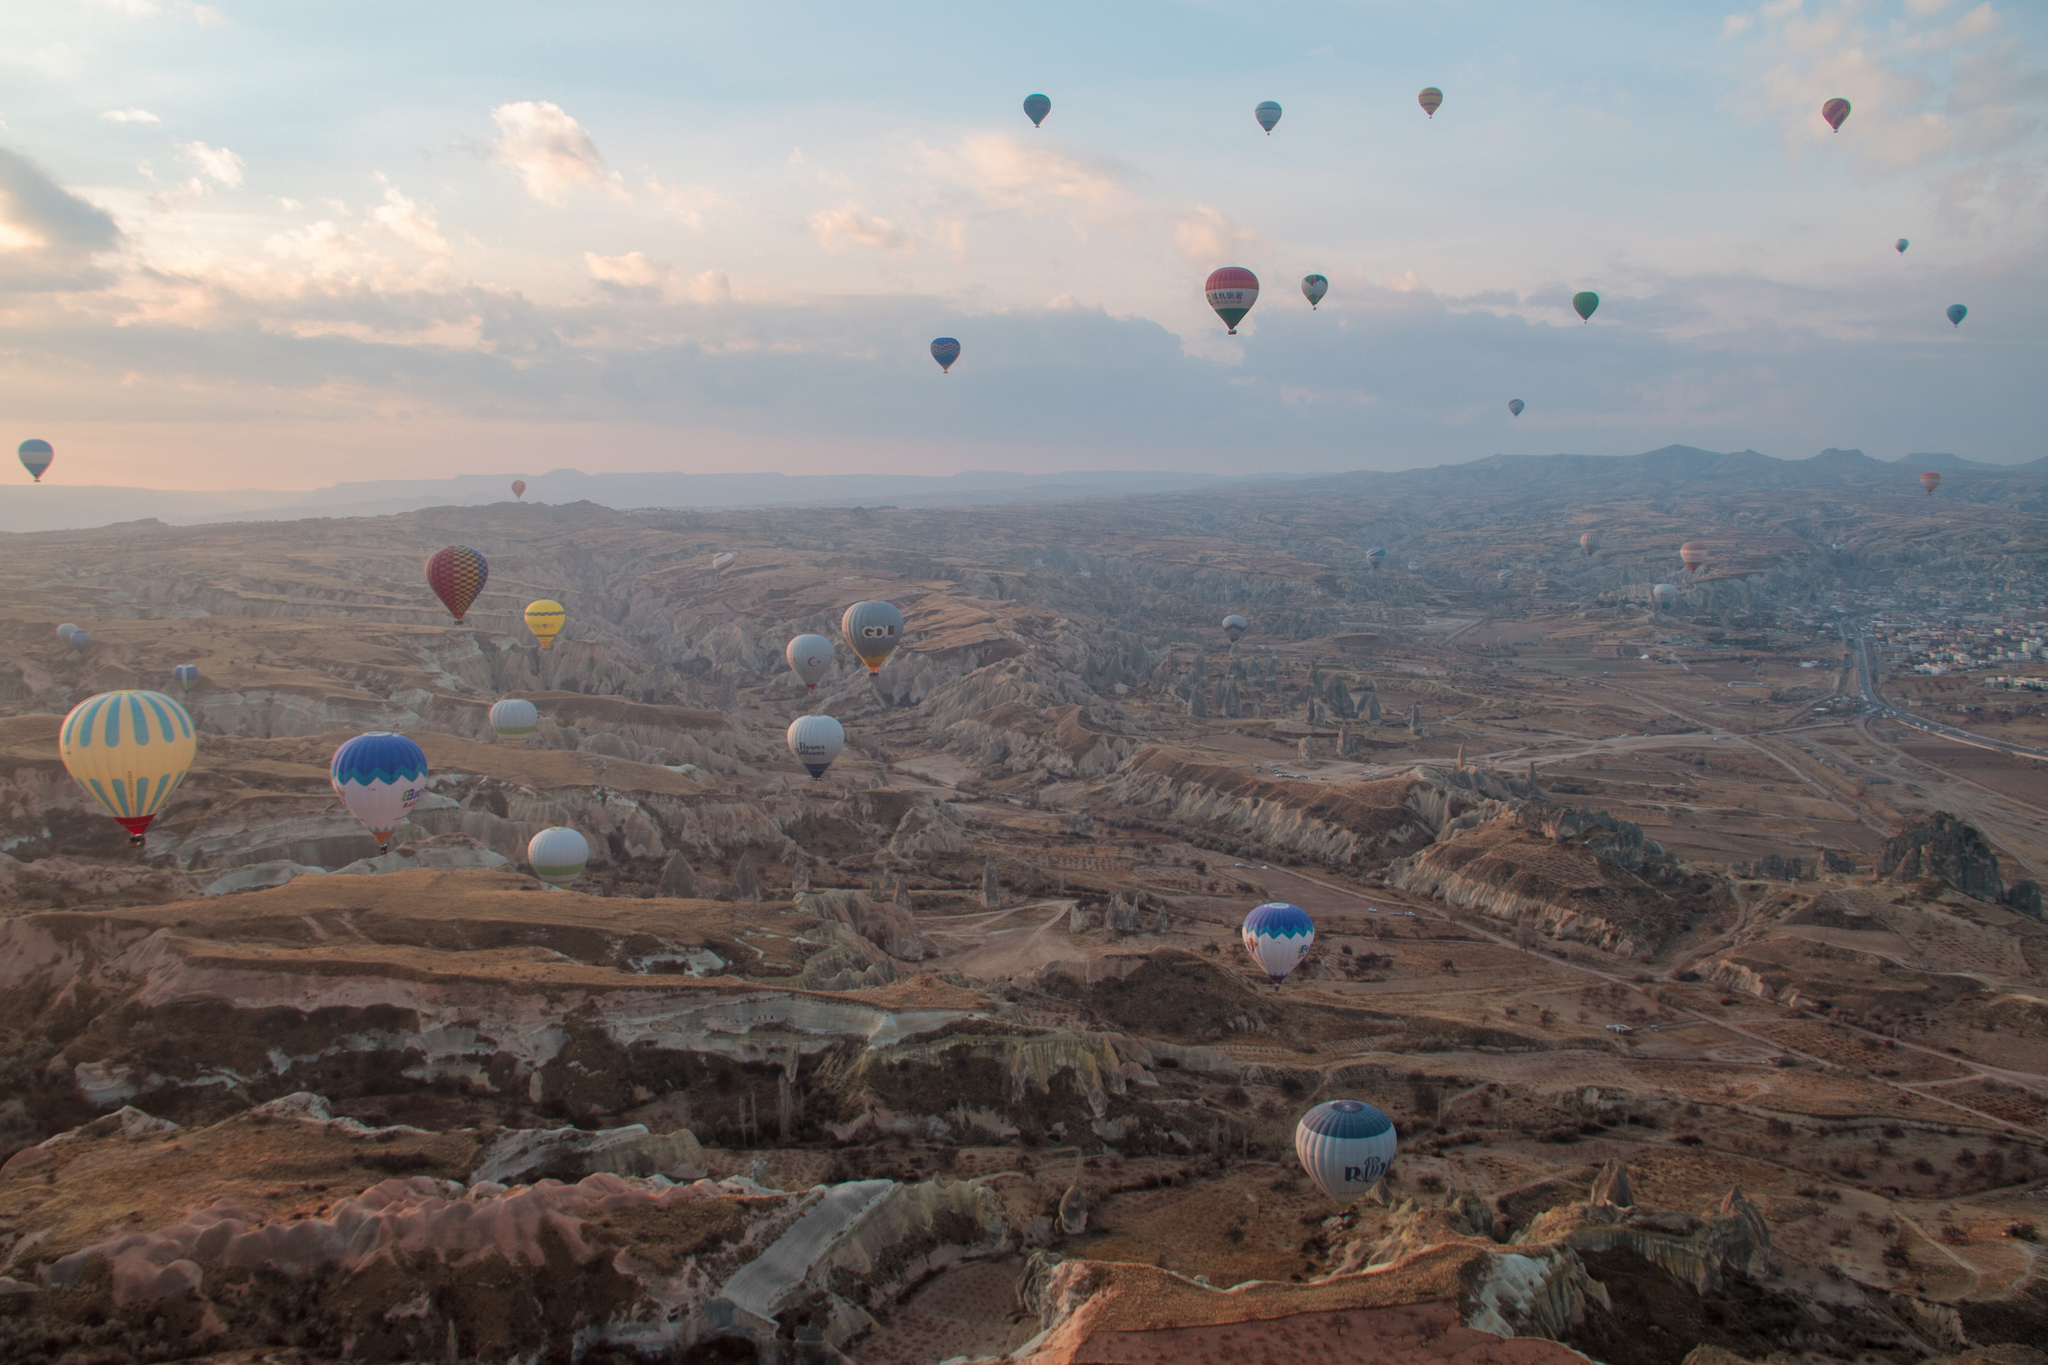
(56, 507)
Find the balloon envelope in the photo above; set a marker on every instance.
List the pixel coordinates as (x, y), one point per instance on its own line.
(1313, 287)
(66, 631)
(1278, 936)
(1232, 291)
(1588, 543)
(816, 741)
(945, 350)
(874, 629)
(36, 456)
(810, 657)
(379, 776)
(544, 618)
(1037, 107)
(1268, 114)
(1583, 303)
(1664, 592)
(1902, 244)
(1431, 99)
(81, 640)
(1693, 554)
(1506, 576)
(1235, 626)
(1515, 406)
(1834, 111)
(1375, 557)
(518, 488)
(558, 855)
(1956, 314)
(129, 750)
(514, 720)
(457, 574)
(1345, 1146)
(722, 561)
(186, 676)
(1930, 481)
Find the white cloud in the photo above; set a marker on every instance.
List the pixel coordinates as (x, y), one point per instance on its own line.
(1014, 172)
(323, 247)
(710, 286)
(550, 151)
(631, 271)
(408, 222)
(203, 15)
(130, 116)
(837, 229)
(218, 163)
(1210, 236)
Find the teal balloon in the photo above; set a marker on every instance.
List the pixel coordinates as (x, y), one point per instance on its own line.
(1268, 114)
(36, 456)
(1037, 106)
(1902, 244)
(1584, 303)
(1956, 314)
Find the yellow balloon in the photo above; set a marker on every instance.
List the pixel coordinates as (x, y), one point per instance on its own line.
(544, 619)
(129, 750)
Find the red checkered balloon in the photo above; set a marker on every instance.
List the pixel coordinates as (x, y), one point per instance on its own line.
(457, 574)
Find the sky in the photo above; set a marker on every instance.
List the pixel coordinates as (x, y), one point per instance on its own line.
(283, 245)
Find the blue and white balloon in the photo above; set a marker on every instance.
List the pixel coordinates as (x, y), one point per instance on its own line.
(1278, 936)
(816, 741)
(1345, 1146)
(378, 777)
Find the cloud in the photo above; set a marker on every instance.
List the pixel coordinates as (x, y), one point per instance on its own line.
(130, 116)
(1017, 173)
(837, 229)
(1208, 235)
(48, 235)
(203, 15)
(408, 222)
(549, 151)
(218, 163)
(630, 271)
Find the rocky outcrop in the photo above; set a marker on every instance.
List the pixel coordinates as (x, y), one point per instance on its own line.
(884, 923)
(1701, 1251)
(525, 1156)
(1945, 847)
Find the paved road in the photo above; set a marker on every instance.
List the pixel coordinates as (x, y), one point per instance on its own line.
(1866, 674)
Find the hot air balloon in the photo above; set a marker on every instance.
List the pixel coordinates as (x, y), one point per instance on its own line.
(378, 776)
(1583, 303)
(1588, 543)
(1345, 1146)
(66, 631)
(1930, 480)
(1268, 114)
(874, 629)
(1515, 406)
(1375, 557)
(1313, 287)
(1037, 106)
(1232, 292)
(457, 574)
(1694, 554)
(1414, 566)
(1664, 592)
(1278, 936)
(129, 750)
(816, 741)
(1902, 244)
(518, 488)
(809, 657)
(185, 676)
(544, 618)
(558, 855)
(722, 561)
(1431, 99)
(1835, 111)
(1235, 626)
(1506, 576)
(81, 640)
(945, 350)
(1956, 313)
(514, 720)
(36, 457)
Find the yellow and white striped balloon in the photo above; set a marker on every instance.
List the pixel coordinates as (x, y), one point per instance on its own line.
(129, 750)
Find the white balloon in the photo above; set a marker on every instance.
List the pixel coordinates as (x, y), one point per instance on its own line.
(816, 741)
(1278, 936)
(1345, 1146)
(558, 855)
(515, 719)
(809, 657)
